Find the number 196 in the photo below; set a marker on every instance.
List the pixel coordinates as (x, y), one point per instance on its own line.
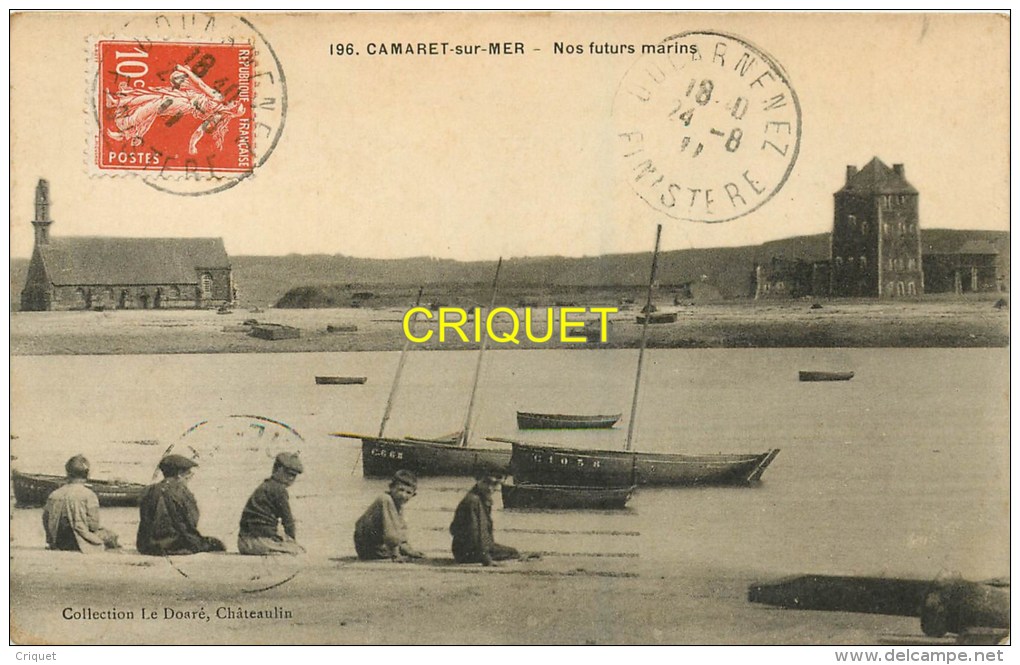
(341, 49)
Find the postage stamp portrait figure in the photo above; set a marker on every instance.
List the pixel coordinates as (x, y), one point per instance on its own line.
(175, 107)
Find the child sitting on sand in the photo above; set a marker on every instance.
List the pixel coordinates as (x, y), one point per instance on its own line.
(471, 529)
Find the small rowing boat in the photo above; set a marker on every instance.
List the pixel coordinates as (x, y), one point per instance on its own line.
(825, 376)
(526, 420)
(528, 495)
(32, 489)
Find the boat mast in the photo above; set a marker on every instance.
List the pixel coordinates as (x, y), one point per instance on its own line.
(478, 367)
(644, 337)
(400, 368)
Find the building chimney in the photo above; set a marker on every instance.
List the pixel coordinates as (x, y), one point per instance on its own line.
(42, 219)
(898, 169)
(851, 171)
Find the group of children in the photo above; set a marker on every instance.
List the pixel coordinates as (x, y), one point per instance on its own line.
(168, 517)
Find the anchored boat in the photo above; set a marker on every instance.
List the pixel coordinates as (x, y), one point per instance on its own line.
(527, 495)
(825, 376)
(526, 420)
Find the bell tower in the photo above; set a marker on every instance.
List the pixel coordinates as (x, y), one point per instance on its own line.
(42, 219)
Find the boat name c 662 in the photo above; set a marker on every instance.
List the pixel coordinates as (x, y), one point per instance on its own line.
(456, 320)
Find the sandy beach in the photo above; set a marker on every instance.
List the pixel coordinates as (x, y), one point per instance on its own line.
(343, 601)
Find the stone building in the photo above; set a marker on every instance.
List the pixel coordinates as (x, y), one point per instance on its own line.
(122, 273)
(790, 278)
(971, 268)
(876, 234)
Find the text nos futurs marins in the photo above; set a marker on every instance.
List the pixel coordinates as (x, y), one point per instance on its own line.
(456, 320)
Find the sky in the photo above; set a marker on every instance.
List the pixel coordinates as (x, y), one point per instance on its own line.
(472, 158)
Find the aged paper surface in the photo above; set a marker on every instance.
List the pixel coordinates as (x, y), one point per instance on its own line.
(200, 167)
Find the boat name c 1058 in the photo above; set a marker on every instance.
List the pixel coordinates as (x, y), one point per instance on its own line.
(456, 319)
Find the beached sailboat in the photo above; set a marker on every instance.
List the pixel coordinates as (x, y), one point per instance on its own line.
(382, 456)
(548, 464)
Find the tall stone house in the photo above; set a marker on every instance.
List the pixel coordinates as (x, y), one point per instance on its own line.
(876, 234)
(102, 272)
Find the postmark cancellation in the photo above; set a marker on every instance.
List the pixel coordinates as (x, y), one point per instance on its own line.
(708, 132)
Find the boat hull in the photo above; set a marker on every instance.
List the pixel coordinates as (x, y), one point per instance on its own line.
(565, 497)
(32, 489)
(664, 317)
(825, 376)
(381, 458)
(527, 420)
(553, 465)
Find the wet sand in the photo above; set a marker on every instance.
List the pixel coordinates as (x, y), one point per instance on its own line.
(970, 322)
(343, 601)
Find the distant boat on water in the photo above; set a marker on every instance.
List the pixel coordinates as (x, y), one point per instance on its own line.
(32, 489)
(825, 376)
(339, 380)
(657, 317)
(527, 420)
(565, 497)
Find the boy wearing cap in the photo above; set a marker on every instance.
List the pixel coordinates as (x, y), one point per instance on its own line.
(71, 515)
(168, 514)
(381, 532)
(471, 529)
(267, 508)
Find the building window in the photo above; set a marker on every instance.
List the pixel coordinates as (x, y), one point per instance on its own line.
(839, 262)
(864, 228)
(890, 264)
(899, 289)
(911, 289)
(205, 283)
(864, 263)
(911, 264)
(890, 288)
(885, 228)
(852, 221)
(175, 292)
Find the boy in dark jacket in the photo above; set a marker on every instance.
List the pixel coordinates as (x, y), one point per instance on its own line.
(268, 509)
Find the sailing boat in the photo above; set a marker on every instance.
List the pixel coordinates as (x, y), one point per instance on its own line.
(451, 455)
(545, 464)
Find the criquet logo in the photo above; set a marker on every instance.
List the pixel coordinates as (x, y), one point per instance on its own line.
(456, 320)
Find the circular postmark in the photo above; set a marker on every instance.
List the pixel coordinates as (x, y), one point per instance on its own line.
(192, 104)
(708, 127)
(234, 455)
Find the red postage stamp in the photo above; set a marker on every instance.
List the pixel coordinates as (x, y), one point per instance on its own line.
(175, 107)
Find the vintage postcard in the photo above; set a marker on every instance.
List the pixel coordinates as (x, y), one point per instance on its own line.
(520, 328)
